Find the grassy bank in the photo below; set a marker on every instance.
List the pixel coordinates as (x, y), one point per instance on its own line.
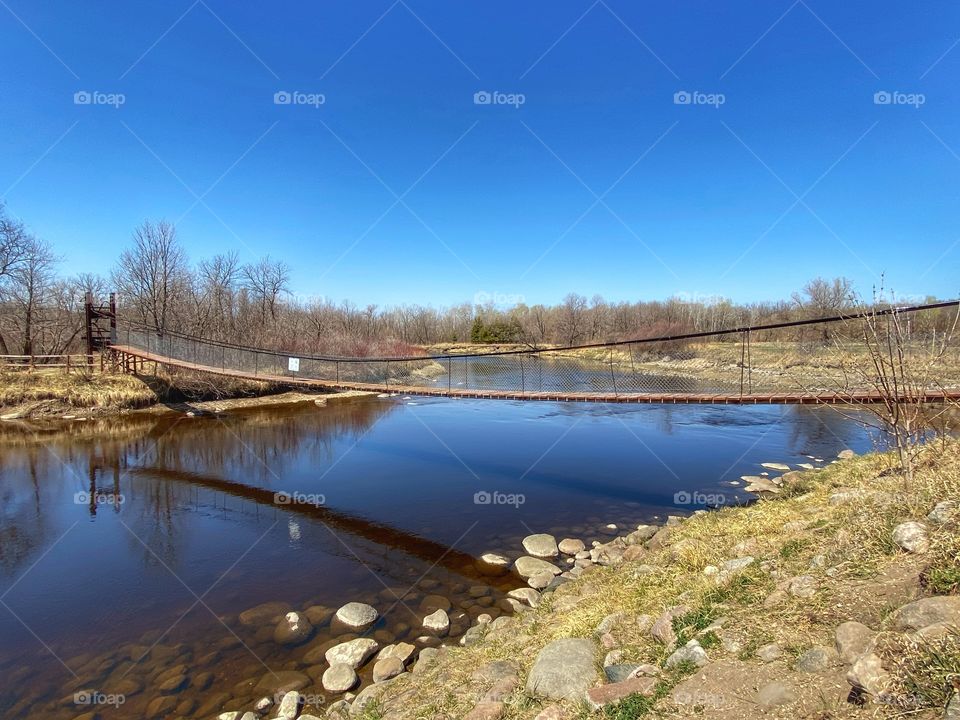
(55, 393)
(832, 528)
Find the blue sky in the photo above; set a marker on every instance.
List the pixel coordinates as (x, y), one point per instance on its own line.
(400, 188)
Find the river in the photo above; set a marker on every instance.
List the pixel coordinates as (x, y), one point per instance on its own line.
(124, 533)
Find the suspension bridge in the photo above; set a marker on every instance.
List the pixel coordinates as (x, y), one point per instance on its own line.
(779, 363)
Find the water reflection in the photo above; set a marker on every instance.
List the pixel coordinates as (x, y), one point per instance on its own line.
(111, 533)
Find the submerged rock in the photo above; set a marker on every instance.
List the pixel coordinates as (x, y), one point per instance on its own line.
(541, 545)
(293, 629)
(357, 615)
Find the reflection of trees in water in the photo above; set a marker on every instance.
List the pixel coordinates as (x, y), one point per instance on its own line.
(258, 447)
(234, 446)
(815, 428)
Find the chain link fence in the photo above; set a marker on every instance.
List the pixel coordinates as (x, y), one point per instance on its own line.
(809, 357)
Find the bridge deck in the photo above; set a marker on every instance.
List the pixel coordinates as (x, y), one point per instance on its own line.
(778, 398)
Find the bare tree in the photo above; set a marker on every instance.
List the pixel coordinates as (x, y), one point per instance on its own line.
(572, 318)
(266, 280)
(150, 273)
(822, 298)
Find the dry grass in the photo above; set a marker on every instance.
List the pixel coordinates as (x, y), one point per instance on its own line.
(77, 389)
(844, 545)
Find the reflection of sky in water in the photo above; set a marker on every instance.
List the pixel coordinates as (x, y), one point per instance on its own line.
(192, 518)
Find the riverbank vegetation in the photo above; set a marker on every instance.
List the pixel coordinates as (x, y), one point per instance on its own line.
(220, 298)
(800, 605)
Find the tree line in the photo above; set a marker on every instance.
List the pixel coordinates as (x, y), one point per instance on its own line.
(221, 298)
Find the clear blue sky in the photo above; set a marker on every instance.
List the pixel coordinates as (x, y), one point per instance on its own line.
(798, 173)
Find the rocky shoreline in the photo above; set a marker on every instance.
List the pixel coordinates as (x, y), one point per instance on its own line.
(776, 624)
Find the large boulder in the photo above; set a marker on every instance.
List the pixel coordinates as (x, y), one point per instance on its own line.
(571, 546)
(353, 653)
(529, 566)
(541, 545)
(357, 615)
(564, 669)
(928, 611)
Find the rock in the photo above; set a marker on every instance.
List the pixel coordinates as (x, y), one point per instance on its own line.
(551, 712)
(353, 653)
(281, 681)
(293, 629)
(757, 484)
(691, 652)
(541, 580)
(867, 674)
(662, 630)
(528, 566)
(564, 669)
(846, 454)
(942, 512)
(472, 636)
(485, 711)
(435, 602)
(402, 651)
(609, 554)
(289, 706)
(619, 673)
(802, 586)
(357, 615)
(491, 563)
(928, 611)
(775, 693)
(528, 595)
(339, 678)
(541, 545)
(952, 711)
(437, 622)
(769, 652)
(911, 536)
(318, 614)
(387, 668)
(570, 546)
(775, 466)
(816, 659)
(606, 694)
(262, 705)
(264, 613)
(852, 639)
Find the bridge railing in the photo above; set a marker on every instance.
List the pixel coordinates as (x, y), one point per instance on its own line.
(810, 356)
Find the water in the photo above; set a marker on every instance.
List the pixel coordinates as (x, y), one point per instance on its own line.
(185, 529)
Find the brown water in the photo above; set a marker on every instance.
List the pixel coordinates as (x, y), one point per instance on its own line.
(129, 547)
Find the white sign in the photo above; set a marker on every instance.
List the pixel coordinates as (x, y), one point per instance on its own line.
(293, 364)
